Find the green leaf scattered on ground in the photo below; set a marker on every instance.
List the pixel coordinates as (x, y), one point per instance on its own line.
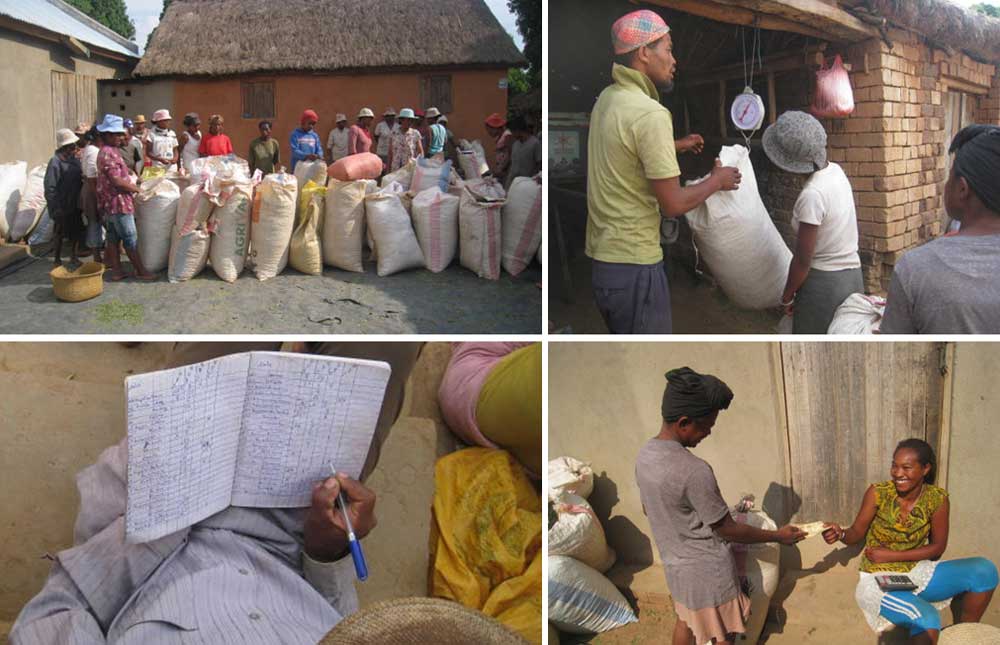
(116, 312)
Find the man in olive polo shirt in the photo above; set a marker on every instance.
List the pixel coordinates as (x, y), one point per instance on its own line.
(633, 174)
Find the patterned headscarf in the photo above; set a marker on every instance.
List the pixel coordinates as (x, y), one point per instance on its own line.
(633, 30)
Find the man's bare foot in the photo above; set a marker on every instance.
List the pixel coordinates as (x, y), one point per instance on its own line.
(118, 276)
(145, 277)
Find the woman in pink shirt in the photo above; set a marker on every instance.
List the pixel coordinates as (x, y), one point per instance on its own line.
(360, 135)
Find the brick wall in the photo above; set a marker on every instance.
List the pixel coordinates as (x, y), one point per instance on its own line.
(892, 148)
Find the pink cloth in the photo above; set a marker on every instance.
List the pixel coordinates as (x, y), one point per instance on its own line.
(358, 140)
(111, 200)
(458, 395)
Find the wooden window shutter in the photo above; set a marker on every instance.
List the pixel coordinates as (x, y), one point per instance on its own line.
(257, 99)
(436, 91)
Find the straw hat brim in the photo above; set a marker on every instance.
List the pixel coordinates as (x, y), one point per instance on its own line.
(416, 621)
(970, 634)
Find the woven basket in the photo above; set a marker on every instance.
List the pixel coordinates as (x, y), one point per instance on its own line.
(970, 634)
(84, 283)
(418, 621)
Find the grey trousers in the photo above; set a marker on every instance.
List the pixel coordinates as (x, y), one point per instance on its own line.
(820, 295)
(632, 298)
(401, 357)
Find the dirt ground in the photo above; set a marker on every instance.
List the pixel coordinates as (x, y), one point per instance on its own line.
(697, 305)
(339, 302)
(64, 403)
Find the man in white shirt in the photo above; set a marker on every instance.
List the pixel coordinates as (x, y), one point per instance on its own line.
(338, 141)
(383, 134)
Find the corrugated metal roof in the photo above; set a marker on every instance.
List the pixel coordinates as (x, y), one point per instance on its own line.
(62, 19)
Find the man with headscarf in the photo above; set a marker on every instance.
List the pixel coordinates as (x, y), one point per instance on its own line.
(690, 520)
(952, 285)
(305, 143)
(632, 175)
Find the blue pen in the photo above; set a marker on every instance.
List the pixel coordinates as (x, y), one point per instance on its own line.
(360, 566)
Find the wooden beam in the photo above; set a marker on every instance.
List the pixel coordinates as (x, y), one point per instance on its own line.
(723, 122)
(827, 18)
(779, 62)
(722, 12)
(772, 100)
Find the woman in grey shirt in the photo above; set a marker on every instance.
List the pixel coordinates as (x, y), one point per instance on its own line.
(689, 519)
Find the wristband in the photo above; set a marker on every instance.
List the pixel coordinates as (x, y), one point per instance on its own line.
(789, 303)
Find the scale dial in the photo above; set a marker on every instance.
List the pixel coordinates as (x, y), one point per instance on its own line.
(748, 111)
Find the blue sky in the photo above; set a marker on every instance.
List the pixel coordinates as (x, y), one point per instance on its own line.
(146, 13)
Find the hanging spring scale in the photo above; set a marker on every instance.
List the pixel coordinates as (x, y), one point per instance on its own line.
(747, 111)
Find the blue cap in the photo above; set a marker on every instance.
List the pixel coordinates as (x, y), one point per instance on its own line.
(112, 123)
(128, 123)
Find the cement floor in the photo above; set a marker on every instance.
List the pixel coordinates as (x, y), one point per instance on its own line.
(62, 404)
(697, 306)
(339, 302)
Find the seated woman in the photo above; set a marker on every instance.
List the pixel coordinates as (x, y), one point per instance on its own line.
(904, 523)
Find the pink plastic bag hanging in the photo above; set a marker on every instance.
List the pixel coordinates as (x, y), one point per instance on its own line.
(834, 96)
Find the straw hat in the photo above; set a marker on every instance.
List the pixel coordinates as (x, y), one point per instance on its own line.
(139, 118)
(407, 113)
(340, 117)
(162, 115)
(796, 142)
(366, 112)
(443, 119)
(416, 621)
(432, 112)
(389, 112)
(65, 137)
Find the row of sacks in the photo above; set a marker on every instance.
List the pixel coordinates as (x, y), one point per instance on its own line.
(22, 204)
(581, 598)
(421, 217)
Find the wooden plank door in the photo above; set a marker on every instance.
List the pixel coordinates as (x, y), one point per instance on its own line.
(74, 99)
(848, 405)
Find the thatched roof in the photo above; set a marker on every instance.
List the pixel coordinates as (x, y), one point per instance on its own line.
(942, 21)
(224, 37)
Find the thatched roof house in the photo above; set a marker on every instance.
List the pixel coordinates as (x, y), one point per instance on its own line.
(251, 60)
(220, 37)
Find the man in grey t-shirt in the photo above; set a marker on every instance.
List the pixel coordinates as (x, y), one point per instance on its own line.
(689, 519)
(952, 285)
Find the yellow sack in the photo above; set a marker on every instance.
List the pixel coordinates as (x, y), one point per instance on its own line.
(509, 410)
(304, 250)
(152, 172)
(486, 538)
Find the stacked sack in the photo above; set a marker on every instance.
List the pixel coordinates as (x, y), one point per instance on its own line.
(155, 213)
(272, 224)
(858, 315)
(479, 227)
(12, 178)
(472, 159)
(758, 564)
(31, 204)
(304, 253)
(581, 599)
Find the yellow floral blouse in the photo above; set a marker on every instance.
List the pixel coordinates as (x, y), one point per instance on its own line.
(888, 530)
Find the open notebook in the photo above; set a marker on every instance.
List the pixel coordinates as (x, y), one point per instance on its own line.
(252, 429)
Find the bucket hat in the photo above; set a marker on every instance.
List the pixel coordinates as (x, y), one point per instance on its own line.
(407, 113)
(112, 123)
(796, 142)
(65, 137)
(161, 115)
(366, 112)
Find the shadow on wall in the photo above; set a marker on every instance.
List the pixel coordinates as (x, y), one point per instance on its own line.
(631, 544)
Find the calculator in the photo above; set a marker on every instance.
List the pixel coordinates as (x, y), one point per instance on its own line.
(894, 582)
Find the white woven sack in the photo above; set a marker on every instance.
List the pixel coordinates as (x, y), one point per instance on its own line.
(389, 223)
(480, 227)
(188, 254)
(429, 173)
(435, 219)
(578, 533)
(43, 230)
(155, 213)
(522, 224)
(738, 240)
(762, 568)
(859, 315)
(344, 224)
(310, 171)
(569, 475)
(30, 206)
(230, 227)
(12, 178)
(403, 175)
(193, 209)
(272, 224)
(582, 600)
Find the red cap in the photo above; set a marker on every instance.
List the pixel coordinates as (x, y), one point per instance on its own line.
(496, 121)
(309, 115)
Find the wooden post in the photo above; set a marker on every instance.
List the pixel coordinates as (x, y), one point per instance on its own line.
(772, 101)
(723, 128)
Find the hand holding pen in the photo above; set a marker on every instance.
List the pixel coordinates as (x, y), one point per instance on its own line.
(328, 525)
